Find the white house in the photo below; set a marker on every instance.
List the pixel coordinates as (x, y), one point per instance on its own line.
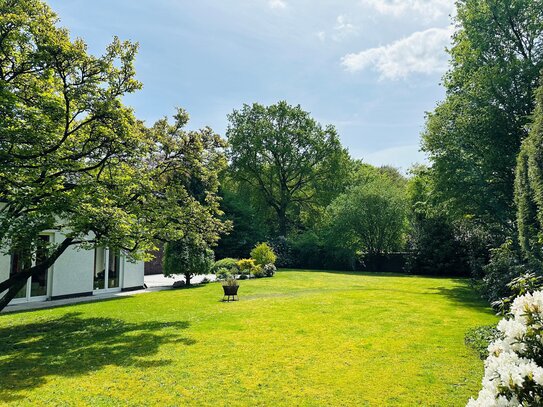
(76, 273)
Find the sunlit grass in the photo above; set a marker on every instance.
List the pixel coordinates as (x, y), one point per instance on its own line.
(300, 338)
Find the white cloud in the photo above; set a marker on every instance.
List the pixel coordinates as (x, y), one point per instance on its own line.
(343, 28)
(422, 52)
(277, 4)
(431, 9)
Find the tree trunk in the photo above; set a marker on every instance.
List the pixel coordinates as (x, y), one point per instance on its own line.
(282, 220)
(18, 280)
(187, 278)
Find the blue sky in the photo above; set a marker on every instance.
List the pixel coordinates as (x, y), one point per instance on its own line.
(372, 68)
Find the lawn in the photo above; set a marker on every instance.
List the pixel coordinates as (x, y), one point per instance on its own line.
(300, 338)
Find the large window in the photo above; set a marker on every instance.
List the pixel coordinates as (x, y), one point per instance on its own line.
(36, 286)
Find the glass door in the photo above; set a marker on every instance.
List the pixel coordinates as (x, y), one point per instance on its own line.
(36, 286)
(107, 269)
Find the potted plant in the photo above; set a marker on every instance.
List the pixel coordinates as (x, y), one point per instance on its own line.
(230, 287)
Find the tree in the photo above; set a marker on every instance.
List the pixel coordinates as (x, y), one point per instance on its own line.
(74, 158)
(529, 187)
(287, 159)
(474, 135)
(187, 256)
(369, 218)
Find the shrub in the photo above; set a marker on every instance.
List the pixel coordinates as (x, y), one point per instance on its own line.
(258, 272)
(188, 257)
(269, 270)
(505, 265)
(227, 263)
(513, 371)
(244, 274)
(479, 338)
(222, 273)
(263, 254)
(245, 264)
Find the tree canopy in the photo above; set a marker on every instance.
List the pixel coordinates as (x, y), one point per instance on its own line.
(474, 135)
(74, 158)
(288, 159)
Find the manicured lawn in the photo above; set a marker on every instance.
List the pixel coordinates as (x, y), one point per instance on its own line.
(300, 338)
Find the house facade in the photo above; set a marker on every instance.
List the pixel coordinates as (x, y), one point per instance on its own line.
(76, 273)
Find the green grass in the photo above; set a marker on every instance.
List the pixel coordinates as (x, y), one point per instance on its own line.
(300, 338)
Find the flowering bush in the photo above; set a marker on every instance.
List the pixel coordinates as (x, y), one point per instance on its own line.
(269, 270)
(514, 367)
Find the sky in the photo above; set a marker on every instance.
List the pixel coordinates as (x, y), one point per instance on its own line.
(371, 68)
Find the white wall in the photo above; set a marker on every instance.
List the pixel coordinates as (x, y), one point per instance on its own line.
(73, 271)
(133, 274)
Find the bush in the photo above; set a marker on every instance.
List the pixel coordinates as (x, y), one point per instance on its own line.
(504, 266)
(245, 264)
(263, 254)
(479, 338)
(222, 273)
(227, 263)
(513, 371)
(244, 274)
(258, 272)
(269, 270)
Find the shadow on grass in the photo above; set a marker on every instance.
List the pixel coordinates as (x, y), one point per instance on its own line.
(465, 295)
(71, 346)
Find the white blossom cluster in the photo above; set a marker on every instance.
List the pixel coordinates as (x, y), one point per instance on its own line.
(512, 377)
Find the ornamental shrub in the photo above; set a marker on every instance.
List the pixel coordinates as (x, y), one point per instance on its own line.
(245, 264)
(258, 271)
(514, 368)
(263, 254)
(269, 270)
(227, 263)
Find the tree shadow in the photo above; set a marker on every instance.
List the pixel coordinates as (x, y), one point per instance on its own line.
(463, 294)
(72, 345)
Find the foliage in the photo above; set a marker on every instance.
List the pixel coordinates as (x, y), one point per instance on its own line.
(369, 218)
(249, 220)
(287, 158)
(227, 263)
(529, 187)
(527, 283)
(263, 254)
(480, 337)
(245, 264)
(222, 273)
(514, 367)
(230, 281)
(269, 270)
(474, 135)
(505, 265)
(258, 271)
(326, 318)
(188, 257)
(283, 250)
(73, 157)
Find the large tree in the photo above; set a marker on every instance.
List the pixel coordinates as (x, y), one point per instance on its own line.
(369, 218)
(474, 135)
(74, 158)
(291, 162)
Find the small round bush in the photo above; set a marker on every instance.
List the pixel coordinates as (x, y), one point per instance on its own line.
(263, 254)
(244, 274)
(258, 272)
(269, 270)
(245, 264)
(227, 263)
